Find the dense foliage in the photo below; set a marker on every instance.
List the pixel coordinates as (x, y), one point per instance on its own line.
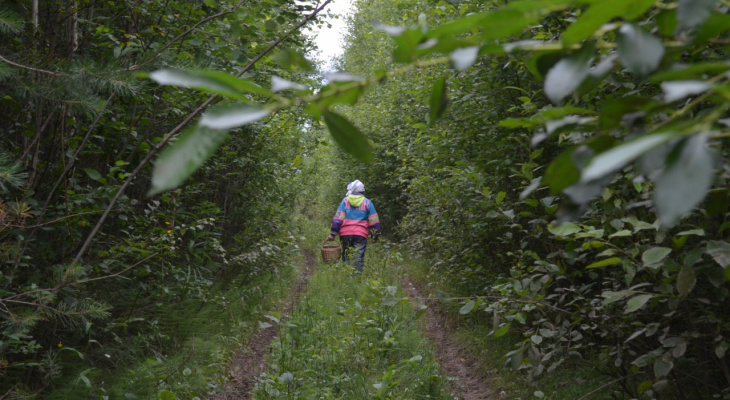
(79, 128)
(540, 128)
(560, 162)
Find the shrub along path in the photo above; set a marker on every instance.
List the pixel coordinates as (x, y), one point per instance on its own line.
(249, 362)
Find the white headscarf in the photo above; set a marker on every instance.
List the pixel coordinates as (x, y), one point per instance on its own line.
(355, 187)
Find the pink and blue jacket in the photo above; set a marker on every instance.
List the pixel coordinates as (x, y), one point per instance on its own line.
(351, 220)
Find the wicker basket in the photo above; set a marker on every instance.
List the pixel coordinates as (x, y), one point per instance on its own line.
(331, 252)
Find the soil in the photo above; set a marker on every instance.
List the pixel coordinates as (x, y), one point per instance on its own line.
(455, 364)
(250, 361)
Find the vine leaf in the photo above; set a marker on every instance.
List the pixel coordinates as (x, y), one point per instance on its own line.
(439, 100)
(639, 51)
(214, 82)
(685, 180)
(348, 137)
(468, 307)
(179, 160)
(567, 75)
(232, 116)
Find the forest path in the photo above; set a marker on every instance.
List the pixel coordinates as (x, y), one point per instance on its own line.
(250, 360)
(467, 384)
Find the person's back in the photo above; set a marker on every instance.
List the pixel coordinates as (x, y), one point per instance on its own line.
(354, 220)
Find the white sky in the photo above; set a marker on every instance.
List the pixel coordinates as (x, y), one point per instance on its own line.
(330, 40)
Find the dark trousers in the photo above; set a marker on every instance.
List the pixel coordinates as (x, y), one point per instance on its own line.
(354, 245)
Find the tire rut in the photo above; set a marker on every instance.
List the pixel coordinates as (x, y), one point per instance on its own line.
(467, 384)
(250, 361)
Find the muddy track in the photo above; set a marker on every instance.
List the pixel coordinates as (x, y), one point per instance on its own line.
(248, 364)
(467, 384)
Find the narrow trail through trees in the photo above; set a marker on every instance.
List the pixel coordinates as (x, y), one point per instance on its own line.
(250, 361)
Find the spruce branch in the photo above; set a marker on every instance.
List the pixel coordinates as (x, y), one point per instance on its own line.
(153, 151)
(14, 64)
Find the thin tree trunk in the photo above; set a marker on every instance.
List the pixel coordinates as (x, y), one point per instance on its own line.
(34, 16)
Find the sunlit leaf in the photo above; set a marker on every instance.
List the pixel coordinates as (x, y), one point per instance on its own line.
(678, 90)
(565, 76)
(720, 252)
(464, 58)
(605, 263)
(691, 13)
(209, 82)
(639, 51)
(232, 116)
(685, 180)
(618, 157)
(279, 84)
(564, 229)
(179, 160)
(348, 137)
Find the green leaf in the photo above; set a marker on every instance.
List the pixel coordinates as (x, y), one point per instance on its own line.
(439, 100)
(348, 137)
(621, 233)
(686, 280)
(232, 116)
(179, 160)
(564, 229)
(605, 263)
(468, 307)
(715, 25)
(655, 255)
(567, 75)
(666, 22)
(691, 72)
(637, 302)
(502, 331)
(662, 367)
(612, 297)
(214, 82)
(639, 51)
(719, 251)
(537, 339)
(166, 395)
(618, 157)
(92, 173)
(685, 180)
(691, 13)
(600, 13)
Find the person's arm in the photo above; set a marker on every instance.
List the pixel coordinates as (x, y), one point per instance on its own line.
(337, 221)
(373, 222)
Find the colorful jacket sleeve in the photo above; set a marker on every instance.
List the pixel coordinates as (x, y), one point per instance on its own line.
(373, 220)
(338, 219)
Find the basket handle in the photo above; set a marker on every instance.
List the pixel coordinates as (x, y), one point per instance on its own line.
(328, 241)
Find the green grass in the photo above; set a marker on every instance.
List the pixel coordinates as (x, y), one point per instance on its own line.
(569, 382)
(353, 336)
(190, 357)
